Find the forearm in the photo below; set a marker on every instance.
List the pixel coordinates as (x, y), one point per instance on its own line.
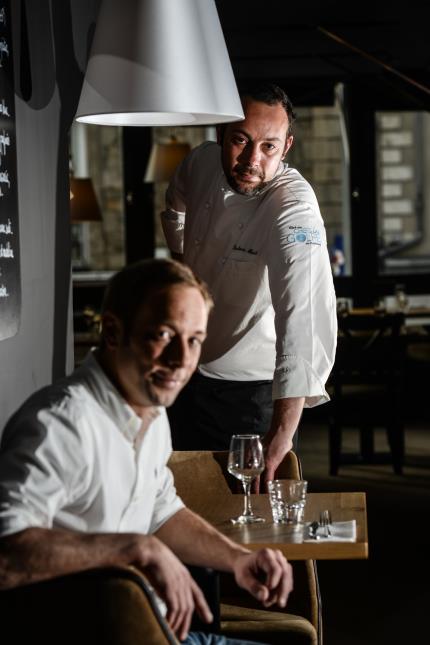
(286, 417)
(264, 573)
(196, 542)
(37, 554)
(279, 439)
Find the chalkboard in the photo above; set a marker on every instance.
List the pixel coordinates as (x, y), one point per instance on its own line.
(10, 278)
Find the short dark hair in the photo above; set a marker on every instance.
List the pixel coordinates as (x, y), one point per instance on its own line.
(130, 287)
(271, 94)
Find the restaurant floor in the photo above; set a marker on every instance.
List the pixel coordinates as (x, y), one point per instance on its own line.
(384, 600)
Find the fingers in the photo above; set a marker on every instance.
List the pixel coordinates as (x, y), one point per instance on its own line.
(176, 587)
(277, 573)
(180, 607)
(279, 576)
(268, 475)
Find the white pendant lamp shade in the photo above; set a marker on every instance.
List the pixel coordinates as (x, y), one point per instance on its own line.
(159, 62)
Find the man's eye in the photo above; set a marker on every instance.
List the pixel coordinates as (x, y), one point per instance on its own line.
(195, 342)
(239, 140)
(270, 147)
(162, 334)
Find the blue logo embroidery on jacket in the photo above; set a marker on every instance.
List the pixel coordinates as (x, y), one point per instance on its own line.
(304, 235)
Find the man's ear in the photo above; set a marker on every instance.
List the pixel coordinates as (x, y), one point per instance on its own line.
(288, 144)
(111, 330)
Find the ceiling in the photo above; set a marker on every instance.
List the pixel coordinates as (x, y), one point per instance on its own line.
(291, 44)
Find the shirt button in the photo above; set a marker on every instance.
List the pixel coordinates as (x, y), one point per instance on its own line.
(241, 226)
(196, 241)
(223, 260)
(207, 205)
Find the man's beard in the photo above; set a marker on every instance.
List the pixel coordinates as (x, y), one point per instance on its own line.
(244, 188)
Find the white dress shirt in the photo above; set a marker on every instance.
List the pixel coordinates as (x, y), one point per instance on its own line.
(265, 260)
(72, 458)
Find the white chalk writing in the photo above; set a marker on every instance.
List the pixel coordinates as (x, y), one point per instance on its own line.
(3, 292)
(4, 108)
(4, 178)
(4, 49)
(3, 15)
(6, 251)
(4, 141)
(6, 229)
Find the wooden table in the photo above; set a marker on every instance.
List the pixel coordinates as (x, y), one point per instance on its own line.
(343, 507)
(413, 315)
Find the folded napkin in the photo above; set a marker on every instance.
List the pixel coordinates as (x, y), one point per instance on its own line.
(340, 532)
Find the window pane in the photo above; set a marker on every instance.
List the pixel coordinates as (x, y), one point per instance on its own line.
(320, 154)
(402, 145)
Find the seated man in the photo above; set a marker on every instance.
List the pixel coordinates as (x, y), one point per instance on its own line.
(83, 476)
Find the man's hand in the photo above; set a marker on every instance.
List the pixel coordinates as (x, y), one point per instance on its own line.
(279, 439)
(276, 445)
(174, 584)
(266, 574)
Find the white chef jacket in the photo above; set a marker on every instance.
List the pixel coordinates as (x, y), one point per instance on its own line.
(265, 260)
(69, 460)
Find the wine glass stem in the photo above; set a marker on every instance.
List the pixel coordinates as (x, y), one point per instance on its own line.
(247, 509)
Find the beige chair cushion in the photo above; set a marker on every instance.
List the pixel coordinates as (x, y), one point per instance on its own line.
(268, 626)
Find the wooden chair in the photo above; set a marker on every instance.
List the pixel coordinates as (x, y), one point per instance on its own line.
(115, 606)
(199, 474)
(367, 386)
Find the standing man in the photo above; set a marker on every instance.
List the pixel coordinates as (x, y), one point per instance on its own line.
(250, 226)
(83, 476)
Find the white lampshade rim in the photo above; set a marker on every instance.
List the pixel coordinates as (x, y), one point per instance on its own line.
(151, 118)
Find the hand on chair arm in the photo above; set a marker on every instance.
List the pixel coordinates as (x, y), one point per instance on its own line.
(37, 554)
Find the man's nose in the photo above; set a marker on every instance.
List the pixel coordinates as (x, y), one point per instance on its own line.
(177, 353)
(250, 155)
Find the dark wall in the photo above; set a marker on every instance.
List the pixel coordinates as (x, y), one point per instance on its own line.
(50, 42)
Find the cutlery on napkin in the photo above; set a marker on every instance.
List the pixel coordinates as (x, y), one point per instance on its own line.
(340, 532)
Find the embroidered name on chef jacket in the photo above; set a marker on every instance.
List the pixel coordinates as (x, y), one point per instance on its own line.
(304, 235)
(236, 247)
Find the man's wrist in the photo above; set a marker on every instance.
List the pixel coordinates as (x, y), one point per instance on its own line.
(236, 554)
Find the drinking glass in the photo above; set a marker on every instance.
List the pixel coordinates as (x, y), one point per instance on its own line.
(287, 500)
(246, 461)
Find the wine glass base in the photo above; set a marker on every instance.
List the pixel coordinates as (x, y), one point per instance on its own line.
(247, 519)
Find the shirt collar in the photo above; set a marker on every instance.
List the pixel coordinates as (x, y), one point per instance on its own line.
(109, 398)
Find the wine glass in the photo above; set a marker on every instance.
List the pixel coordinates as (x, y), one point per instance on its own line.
(246, 461)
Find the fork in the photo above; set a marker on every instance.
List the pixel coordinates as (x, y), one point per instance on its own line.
(325, 521)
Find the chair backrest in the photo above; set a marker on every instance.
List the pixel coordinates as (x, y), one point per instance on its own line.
(115, 606)
(198, 474)
(370, 348)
